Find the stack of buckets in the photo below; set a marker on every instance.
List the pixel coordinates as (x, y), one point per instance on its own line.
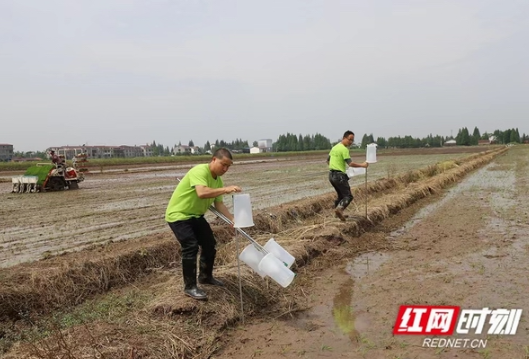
(271, 260)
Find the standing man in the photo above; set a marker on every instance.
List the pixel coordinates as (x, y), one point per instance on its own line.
(338, 160)
(200, 187)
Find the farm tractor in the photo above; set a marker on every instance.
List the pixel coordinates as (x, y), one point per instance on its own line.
(47, 177)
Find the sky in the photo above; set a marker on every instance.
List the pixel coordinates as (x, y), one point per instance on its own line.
(130, 72)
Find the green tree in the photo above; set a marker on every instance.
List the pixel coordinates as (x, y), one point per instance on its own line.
(291, 142)
(476, 133)
(365, 141)
(308, 142)
(506, 138)
(155, 149)
(300, 146)
(463, 137)
(381, 142)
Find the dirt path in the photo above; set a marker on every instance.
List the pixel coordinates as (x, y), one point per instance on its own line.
(469, 249)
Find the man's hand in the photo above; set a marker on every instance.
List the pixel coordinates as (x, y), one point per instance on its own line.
(232, 189)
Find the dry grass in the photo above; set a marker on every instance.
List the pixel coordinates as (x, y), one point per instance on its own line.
(173, 326)
(71, 283)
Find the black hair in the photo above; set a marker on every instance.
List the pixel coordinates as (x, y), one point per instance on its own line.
(222, 153)
(348, 133)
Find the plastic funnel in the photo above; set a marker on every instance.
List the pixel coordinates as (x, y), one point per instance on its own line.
(242, 211)
(273, 247)
(355, 171)
(252, 257)
(371, 153)
(274, 267)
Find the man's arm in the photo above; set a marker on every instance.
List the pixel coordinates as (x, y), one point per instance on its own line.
(207, 192)
(353, 164)
(224, 210)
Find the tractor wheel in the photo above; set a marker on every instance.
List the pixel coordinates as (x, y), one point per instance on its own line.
(56, 183)
(73, 185)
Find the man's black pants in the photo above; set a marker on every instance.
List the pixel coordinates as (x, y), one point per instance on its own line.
(192, 233)
(340, 182)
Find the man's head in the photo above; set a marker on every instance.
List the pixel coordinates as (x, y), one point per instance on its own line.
(220, 162)
(52, 152)
(348, 138)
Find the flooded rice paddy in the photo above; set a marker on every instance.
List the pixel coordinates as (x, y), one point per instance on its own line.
(120, 205)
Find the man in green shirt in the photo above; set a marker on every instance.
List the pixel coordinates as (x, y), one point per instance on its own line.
(200, 187)
(338, 160)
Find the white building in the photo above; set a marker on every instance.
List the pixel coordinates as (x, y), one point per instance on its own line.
(100, 151)
(256, 150)
(147, 150)
(265, 145)
(183, 149)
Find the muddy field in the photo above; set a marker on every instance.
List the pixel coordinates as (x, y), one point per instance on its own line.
(467, 247)
(454, 233)
(127, 203)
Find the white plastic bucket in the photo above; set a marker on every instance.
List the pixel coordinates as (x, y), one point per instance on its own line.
(242, 211)
(273, 247)
(274, 267)
(371, 153)
(355, 171)
(252, 257)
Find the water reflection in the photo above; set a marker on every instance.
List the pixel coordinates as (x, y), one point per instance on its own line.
(342, 311)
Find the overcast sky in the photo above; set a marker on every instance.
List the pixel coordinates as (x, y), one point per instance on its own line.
(112, 72)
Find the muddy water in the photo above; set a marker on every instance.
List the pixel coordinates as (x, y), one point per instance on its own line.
(502, 184)
(469, 249)
(483, 180)
(506, 251)
(120, 206)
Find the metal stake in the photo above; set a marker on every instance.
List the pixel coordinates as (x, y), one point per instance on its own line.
(365, 194)
(239, 272)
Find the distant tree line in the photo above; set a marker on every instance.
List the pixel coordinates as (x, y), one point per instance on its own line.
(159, 149)
(291, 142)
(463, 138)
(237, 145)
(30, 154)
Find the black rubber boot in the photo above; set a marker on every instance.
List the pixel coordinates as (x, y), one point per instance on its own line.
(206, 272)
(189, 268)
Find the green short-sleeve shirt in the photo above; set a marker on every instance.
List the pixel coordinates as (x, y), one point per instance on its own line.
(338, 157)
(185, 203)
